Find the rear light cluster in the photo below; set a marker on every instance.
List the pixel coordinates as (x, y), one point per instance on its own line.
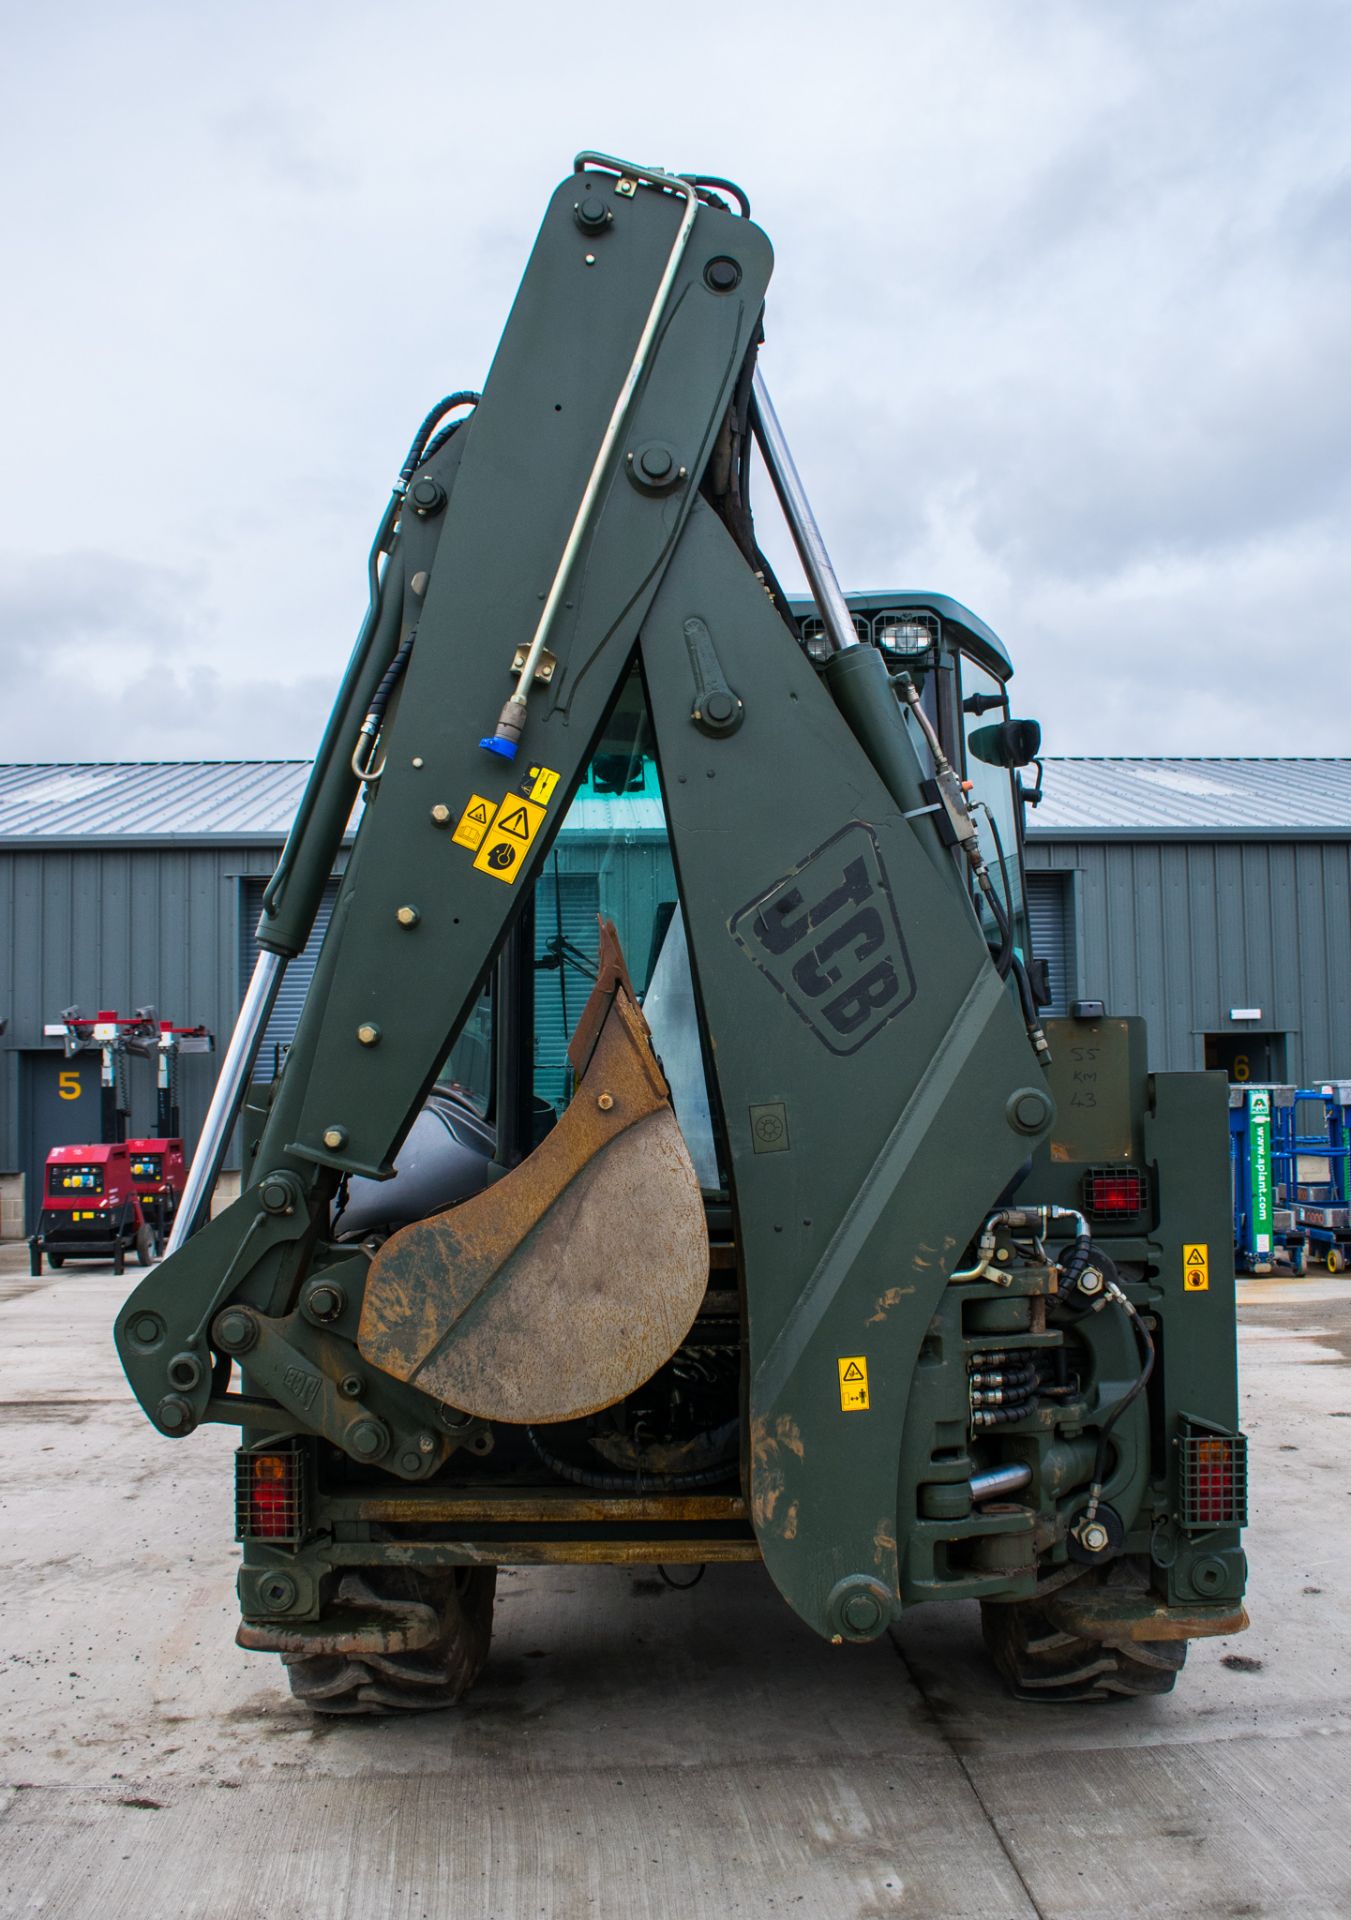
(1214, 1477)
(1115, 1193)
(272, 1495)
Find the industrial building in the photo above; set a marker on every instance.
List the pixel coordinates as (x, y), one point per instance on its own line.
(1213, 896)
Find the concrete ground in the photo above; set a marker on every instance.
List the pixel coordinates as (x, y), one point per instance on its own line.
(634, 1751)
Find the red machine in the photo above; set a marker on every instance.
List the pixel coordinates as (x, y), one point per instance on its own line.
(158, 1171)
(91, 1209)
(121, 1196)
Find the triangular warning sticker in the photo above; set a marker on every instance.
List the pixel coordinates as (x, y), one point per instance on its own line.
(517, 823)
(1196, 1258)
(479, 813)
(853, 1371)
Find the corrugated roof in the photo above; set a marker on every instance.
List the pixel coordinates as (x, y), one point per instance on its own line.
(152, 800)
(217, 800)
(255, 800)
(1194, 796)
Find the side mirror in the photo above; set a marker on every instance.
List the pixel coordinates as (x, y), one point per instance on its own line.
(1009, 743)
(617, 773)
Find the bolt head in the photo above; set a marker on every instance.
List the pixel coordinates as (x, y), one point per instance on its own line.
(722, 274)
(335, 1137)
(428, 497)
(146, 1330)
(174, 1414)
(605, 1101)
(408, 916)
(235, 1330)
(326, 1302)
(368, 1440)
(276, 1196)
(440, 815)
(1028, 1110)
(656, 462)
(592, 215)
(277, 1591)
(1094, 1538)
(861, 1613)
(368, 1035)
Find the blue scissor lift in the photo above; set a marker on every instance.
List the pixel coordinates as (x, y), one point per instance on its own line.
(1322, 1208)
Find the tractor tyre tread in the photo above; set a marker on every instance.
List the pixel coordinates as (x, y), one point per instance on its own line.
(413, 1682)
(1039, 1660)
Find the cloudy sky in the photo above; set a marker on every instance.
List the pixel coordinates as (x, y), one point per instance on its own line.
(1060, 326)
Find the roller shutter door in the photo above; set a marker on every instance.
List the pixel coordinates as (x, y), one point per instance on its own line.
(1048, 910)
(572, 899)
(281, 1028)
(558, 1000)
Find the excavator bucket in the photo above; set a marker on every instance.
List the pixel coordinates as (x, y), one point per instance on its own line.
(564, 1286)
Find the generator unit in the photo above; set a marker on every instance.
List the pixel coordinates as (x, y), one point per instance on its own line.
(91, 1209)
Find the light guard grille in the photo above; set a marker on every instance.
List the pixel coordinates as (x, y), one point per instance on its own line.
(272, 1494)
(1213, 1477)
(1115, 1192)
(907, 633)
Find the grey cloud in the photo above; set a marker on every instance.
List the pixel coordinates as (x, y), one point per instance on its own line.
(1057, 327)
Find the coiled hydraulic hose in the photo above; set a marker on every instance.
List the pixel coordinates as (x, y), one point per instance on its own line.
(419, 450)
(362, 765)
(628, 1482)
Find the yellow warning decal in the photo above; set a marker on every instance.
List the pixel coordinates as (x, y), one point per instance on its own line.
(508, 839)
(473, 823)
(853, 1383)
(1195, 1266)
(543, 780)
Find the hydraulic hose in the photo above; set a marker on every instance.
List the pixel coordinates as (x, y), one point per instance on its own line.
(628, 1482)
(1128, 1398)
(418, 450)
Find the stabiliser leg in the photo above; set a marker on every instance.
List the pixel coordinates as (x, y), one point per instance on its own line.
(876, 1083)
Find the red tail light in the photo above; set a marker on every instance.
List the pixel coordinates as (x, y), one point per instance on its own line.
(1114, 1192)
(270, 1496)
(1214, 1478)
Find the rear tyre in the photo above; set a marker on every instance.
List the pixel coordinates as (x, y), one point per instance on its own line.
(56, 1261)
(1335, 1262)
(1040, 1660)
(145, 1246)
(433, 1676)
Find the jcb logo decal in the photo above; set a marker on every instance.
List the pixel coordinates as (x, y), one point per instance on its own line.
(828, 937)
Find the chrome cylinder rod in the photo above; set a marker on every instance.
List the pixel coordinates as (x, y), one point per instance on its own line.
(235, 1069)
(998, 1481)
(797, 511)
